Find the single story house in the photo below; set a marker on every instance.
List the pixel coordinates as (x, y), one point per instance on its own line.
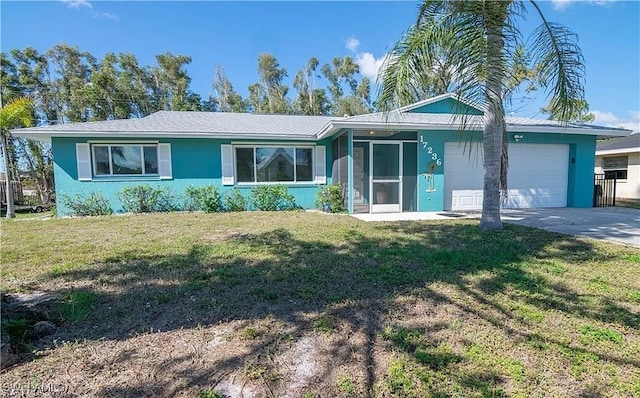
(413, 159)
(619, 158)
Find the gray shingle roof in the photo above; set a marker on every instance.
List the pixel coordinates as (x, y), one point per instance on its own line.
(452, 119)
(203, 122)
(632, 141)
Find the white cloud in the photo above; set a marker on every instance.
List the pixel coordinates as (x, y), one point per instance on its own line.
(369, 64)
(107, 15)
(77, 3)
(563, 4)
(352, 44)
(608, 119)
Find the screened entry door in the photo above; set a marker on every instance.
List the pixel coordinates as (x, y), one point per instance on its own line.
(386, 181)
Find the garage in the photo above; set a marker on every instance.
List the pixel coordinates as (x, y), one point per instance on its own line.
(538, 176)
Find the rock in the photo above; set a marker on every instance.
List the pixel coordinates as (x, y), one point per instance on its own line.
(44, 328)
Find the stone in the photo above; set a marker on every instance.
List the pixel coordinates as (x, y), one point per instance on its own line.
(44, 328)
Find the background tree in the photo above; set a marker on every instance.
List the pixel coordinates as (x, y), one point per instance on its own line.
(311, 100)
(274, 90)
(580, 114)
(479, 38)
(342, 73)
(226, 98)
(171, 84)
(15, 114)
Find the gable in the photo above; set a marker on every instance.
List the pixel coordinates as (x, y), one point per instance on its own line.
(447, 105)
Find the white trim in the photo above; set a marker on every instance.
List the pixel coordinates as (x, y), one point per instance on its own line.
(112, 144)
(120, 142)
(320, 164)
(440, 97)
(617, 151)
(83, 161)
(228, 159)
(45, 136)
(386, 208)
(333, 127)
(254, 147)
(165, 164)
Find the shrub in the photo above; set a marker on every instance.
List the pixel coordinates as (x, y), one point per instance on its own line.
(272, 198)
(145, 199)
(93, 205)
(234, 201)
(330, 199)
(205, 198)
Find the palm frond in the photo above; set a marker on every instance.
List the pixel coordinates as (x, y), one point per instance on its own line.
(560, 65)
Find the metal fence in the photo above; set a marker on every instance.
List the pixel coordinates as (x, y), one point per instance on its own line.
(604, 191)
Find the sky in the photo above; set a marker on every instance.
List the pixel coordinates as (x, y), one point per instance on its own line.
(232, 34)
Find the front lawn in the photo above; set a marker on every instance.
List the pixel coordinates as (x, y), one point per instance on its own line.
(304, 305)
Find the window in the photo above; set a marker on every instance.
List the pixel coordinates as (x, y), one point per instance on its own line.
(274, 164)
(615, 167)
(125, 160)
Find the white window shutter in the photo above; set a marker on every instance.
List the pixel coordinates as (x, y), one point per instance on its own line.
(83, 157)
(227, 165)
(321, 165)
(164, 161)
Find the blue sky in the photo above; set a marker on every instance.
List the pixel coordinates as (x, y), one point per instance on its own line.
(232, 34)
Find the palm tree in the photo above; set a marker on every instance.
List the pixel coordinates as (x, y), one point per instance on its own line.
(16, 114)
(479, 38)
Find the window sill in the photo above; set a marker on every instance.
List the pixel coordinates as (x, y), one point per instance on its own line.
(125, 178)
(287, 183)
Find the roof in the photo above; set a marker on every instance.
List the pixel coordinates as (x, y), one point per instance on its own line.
(612, 146)
(446, 121)
(193, 124)
(175, 124)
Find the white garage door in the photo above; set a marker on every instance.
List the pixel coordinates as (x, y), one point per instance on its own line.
(538, 176)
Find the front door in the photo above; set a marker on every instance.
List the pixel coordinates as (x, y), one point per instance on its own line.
(386, 180)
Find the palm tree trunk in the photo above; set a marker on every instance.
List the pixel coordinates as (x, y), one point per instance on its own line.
(9, 194)
(492, 136)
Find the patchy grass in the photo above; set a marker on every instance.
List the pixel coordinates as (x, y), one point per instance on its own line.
(265, 304)
(631, 203)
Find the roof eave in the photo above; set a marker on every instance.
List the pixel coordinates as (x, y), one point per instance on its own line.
(335, 126)
(46, 136)
(617, 151)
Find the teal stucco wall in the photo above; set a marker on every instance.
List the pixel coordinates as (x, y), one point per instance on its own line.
(447, 105)
(195, 162)
(581, 164)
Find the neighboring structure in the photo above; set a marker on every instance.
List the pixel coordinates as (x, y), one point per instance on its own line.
(619, 158)
(412, 159)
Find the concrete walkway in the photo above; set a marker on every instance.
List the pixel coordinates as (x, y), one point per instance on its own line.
(616, 224)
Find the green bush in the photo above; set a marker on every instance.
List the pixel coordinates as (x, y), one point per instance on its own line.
(330, 199)
(93, 205)
(145, 199)
(205, 198)
(234, 201)
(272, 198)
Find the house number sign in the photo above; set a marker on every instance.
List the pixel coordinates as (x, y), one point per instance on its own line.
(434, 162)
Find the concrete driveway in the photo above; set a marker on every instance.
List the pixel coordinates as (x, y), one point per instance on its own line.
(616, 224)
